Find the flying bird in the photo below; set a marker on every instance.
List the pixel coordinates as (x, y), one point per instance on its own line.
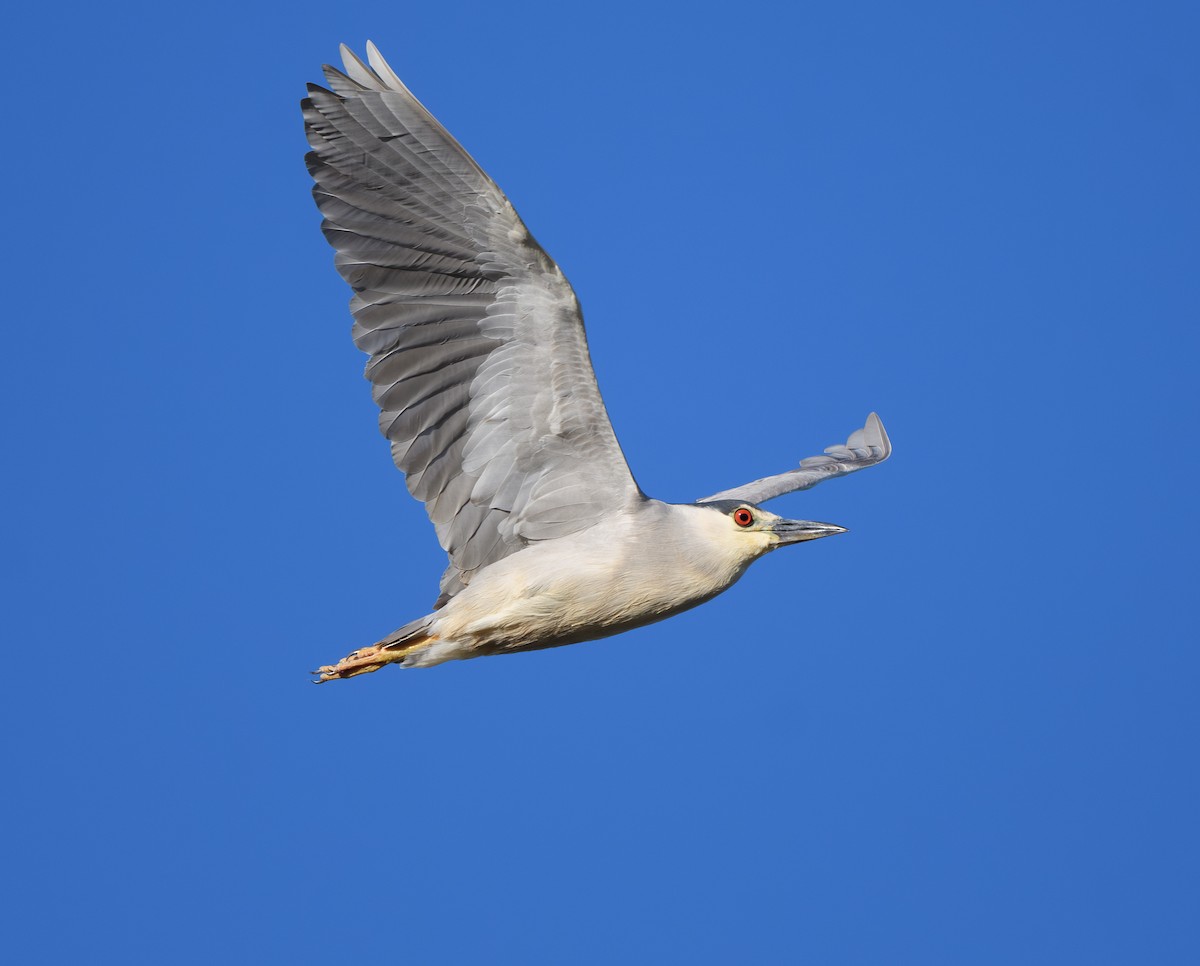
(480, 367)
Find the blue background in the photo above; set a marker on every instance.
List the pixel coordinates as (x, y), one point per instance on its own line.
(963, 733)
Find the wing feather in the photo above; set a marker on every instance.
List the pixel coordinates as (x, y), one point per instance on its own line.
(478, 358)
(865, 447)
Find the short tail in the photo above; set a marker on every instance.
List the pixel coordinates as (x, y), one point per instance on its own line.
(393, 649)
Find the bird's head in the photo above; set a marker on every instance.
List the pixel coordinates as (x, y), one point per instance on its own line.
(758, 531)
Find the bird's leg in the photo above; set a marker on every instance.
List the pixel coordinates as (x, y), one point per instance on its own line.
(393, 649)
(363, 661)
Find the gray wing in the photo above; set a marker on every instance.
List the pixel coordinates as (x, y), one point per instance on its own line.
(478, 358)
(865, 447)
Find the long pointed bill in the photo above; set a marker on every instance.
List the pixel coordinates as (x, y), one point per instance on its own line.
(797, 531)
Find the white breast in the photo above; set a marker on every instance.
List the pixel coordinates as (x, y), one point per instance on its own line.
(632, 570)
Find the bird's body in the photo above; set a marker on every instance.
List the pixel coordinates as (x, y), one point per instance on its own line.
(648, 564)
(486, 391)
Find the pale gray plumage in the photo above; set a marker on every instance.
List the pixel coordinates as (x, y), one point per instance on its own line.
(865, 447)
(478, 358)
(480, 367)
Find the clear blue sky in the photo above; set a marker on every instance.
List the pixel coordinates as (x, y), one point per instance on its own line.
(964, 733)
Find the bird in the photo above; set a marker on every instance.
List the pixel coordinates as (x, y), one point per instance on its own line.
(479, 364)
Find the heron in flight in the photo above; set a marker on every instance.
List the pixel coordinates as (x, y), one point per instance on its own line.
(480, 367)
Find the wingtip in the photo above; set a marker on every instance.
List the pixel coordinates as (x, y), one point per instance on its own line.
(359, 72)
(878, 435)
(383, 69)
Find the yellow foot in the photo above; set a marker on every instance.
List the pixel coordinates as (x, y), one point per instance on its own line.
(363, 661)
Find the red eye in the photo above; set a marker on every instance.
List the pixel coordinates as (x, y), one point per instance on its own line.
(743, 517)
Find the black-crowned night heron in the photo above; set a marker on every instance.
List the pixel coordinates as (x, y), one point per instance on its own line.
(479, 364)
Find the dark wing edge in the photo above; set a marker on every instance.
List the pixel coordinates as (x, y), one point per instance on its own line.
(865, 447)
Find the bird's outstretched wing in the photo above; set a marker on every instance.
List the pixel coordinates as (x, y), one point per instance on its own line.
(865, 447)
(478, 358)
